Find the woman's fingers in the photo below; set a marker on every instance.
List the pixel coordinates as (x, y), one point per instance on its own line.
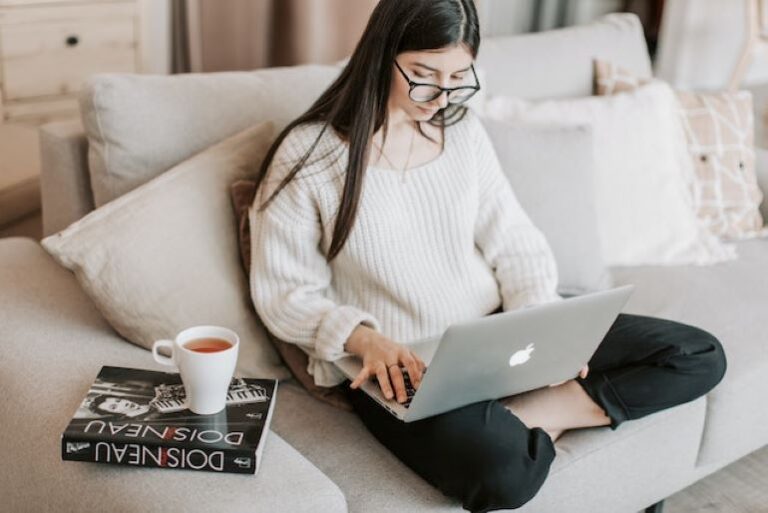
(399, 382)
(391, 376)
(582, 373)
(414, 370)
(381, 374)
(360, 377)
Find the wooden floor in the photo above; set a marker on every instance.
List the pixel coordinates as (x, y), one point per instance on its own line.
(741, 487)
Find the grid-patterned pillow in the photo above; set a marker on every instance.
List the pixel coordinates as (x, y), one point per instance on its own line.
(719, 130)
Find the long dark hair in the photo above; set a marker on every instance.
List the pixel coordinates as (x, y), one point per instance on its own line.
(355, 104)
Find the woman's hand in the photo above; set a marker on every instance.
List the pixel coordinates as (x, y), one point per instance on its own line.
(582, 373)
(383, 358)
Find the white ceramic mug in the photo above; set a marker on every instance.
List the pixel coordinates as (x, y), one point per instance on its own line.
(206, 375)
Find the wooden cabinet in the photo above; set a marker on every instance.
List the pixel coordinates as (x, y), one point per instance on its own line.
(48, 48)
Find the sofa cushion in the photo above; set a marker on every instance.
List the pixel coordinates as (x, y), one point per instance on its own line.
(164, 256)
(642, 196)
(730, 300)
(629, 461)
(558, 63)
(53, 342)
(556, 189)
(719, 131)
(140, 125)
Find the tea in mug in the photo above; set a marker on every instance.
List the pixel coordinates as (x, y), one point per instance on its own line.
(207, 345)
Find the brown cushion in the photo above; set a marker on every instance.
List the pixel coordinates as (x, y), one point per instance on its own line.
(719, 130)
(242, 193)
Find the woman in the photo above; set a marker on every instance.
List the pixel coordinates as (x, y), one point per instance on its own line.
(383, 216)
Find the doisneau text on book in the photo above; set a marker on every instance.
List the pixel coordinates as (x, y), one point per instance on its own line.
(139, 417)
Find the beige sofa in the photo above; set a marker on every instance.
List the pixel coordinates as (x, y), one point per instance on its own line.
(318, 458)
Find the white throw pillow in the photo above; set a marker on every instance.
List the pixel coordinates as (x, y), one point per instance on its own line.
(164, 256)
(642, 174)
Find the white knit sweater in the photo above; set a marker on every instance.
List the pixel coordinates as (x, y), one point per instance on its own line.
(449, 243)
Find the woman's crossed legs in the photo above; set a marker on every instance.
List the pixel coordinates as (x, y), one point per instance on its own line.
(496, 454)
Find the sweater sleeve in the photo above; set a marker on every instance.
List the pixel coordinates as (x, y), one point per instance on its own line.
(289, 276)
(513, 246)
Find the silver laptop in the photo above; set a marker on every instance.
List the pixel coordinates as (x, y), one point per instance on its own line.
(502, 354)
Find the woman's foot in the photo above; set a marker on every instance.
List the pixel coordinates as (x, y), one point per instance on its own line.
(554, 434)
(556, 409)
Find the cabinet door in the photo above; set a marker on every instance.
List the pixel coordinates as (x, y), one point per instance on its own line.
(47, 51)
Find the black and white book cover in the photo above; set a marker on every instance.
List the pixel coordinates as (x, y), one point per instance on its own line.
(139, 417)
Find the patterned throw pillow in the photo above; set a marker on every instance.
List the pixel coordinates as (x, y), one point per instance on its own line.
(719, 129)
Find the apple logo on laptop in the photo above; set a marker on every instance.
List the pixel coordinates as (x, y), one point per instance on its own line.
(522, 356)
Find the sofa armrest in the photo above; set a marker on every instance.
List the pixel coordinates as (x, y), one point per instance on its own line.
(53, 342)
(65, 183)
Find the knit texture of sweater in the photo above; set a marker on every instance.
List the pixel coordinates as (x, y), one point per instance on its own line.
(437, 244)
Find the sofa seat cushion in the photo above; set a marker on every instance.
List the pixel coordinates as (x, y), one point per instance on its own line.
(53, 342)
(589, 462)
(730, 300)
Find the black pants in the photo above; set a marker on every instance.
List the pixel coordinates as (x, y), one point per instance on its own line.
(484, 456)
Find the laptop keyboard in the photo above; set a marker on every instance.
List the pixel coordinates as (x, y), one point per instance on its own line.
(409, 390)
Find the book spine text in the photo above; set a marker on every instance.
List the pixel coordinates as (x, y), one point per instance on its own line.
(143, 454)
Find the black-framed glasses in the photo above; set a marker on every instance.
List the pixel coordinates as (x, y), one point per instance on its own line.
(419, 92)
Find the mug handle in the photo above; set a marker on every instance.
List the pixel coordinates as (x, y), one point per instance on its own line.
(164, 360)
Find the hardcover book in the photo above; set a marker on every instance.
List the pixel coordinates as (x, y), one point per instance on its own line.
(139, 417)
